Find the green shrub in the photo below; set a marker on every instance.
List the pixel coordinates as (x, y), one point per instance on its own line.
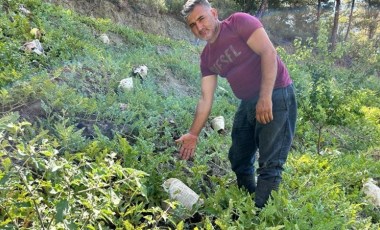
(72, 157)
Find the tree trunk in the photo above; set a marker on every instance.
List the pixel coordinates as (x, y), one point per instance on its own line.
(350, 20)
(319, 140)
(263, 6)
(316, 24)
(373, 13)
(335, 26)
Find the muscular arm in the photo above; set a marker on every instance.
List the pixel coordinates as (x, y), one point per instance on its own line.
(204, 106)
(189, 141)
(260, 43)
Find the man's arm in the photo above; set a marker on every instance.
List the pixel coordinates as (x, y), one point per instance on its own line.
(260, 43)
(208, 86)
(189, 141)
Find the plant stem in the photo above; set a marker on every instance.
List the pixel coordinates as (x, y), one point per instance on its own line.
(319, 140)
(34, 202)
(13, 220)
(104, 186)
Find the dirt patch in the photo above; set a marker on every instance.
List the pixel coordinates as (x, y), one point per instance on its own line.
(137, 15)
(170, 83)
(375, 154)
(30, 111)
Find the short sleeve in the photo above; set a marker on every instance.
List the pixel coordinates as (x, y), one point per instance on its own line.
(244, 24)
(205, 71)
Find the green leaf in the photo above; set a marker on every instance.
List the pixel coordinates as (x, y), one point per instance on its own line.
(180, 225)
(89, 226)
(7, 164)
(72, 226)
(8, 119)
(53, 166)
(114, 198)
(5, 222)
(4, 179)
(278, 227)
(208, 224)
(220, 223)
(61, 209)
(128, 225)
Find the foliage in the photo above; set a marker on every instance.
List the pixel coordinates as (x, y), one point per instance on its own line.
(253, 6)
(77, 151)
(174, 6)
(248, 6)
(87, 194)
(324, 104)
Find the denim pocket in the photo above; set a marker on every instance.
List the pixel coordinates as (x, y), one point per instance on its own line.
(279, 99)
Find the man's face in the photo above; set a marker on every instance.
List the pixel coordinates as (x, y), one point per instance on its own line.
(203, 22)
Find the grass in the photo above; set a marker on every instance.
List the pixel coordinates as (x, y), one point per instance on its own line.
(72, 157)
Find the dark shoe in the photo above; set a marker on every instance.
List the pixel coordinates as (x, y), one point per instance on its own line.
(247, 182)
(263, 191)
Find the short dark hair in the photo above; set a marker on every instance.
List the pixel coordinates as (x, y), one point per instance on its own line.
(190, 4)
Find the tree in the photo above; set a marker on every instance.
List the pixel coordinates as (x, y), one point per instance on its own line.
(248, 6)
(262, 8)
(350, 19)
(372, 15)
(335, 26)
(319, 9)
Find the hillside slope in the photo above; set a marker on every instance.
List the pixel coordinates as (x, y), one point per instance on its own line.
(137, 15)
(79, 151)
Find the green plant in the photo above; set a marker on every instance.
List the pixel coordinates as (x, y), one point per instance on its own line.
(76, 151)
(89, 191)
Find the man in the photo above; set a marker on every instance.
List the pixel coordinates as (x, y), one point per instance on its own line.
(238, 49)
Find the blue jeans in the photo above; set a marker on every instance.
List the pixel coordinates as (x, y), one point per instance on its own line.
(273, 140)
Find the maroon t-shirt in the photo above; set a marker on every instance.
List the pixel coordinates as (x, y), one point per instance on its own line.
(231, 57)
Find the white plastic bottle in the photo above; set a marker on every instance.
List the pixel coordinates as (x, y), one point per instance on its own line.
(179, 191)
(218, 124)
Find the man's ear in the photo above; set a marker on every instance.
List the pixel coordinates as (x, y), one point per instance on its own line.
(214, 13)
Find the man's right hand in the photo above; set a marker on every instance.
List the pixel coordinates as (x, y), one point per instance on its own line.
(189, 140)
(188, 143)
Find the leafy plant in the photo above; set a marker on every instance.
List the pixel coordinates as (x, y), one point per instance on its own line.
(77, 151)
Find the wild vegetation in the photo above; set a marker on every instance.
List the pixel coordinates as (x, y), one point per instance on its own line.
(79, 152)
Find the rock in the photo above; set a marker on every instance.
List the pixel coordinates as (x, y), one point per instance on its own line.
(142, 71)
(34, 46)
(123, 106)
(23, 10)
(372, 191)
(126, 83)
(104, 38)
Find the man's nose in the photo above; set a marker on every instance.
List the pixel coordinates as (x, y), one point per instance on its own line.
(199, 26)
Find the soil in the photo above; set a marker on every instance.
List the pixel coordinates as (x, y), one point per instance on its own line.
(136, 15)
